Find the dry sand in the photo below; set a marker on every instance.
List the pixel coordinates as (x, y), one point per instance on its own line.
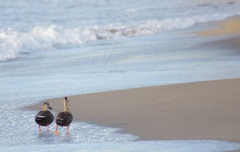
(202, 110)
(227, 27)
(225, 35)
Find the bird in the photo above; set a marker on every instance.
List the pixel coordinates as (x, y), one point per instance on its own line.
(44, 117)
(65, 117)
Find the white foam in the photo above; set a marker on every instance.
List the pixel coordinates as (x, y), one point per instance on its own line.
(20, 131)
(149, 146)
(14, 43)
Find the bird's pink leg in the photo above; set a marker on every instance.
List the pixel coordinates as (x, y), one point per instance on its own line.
(39, 128)
(56, 132)
(67, 129)
(47, 127)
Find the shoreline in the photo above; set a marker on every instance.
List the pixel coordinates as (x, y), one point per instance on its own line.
(206, 110)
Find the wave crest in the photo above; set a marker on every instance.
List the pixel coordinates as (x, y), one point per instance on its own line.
(13, 43)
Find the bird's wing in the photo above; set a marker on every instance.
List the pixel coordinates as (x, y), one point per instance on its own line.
(41, 116)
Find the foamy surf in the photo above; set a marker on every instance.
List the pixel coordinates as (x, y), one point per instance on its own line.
(141, 146)
(18, 128)
(14, 43)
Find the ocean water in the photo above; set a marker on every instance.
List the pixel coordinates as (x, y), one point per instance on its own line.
(55, 48)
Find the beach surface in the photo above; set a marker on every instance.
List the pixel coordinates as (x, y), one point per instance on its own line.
(191, 111)
(226, 27)
(207, 110)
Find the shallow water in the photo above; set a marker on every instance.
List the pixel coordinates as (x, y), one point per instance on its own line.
(141, 146)
(18, 128)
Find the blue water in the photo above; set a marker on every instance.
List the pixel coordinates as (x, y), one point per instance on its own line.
(55, 48)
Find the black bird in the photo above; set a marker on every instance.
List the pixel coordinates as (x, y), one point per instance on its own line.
(44, 117)
(65, 117)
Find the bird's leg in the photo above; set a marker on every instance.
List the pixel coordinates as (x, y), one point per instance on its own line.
(56, 132)
(39, 128)
(67, 129)
(47, 127)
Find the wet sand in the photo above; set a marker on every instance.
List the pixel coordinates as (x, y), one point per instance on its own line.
(191, 111)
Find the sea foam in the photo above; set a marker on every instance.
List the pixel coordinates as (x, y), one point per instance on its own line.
(14, 43)
(141, 146)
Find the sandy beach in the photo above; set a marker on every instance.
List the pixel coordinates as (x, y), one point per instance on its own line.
(191, 111)
(221, 28)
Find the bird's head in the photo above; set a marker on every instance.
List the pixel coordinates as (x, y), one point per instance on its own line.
(46, 106)
(65, 103)
(66, 100)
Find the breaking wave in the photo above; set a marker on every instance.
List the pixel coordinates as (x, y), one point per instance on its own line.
(14, 43)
